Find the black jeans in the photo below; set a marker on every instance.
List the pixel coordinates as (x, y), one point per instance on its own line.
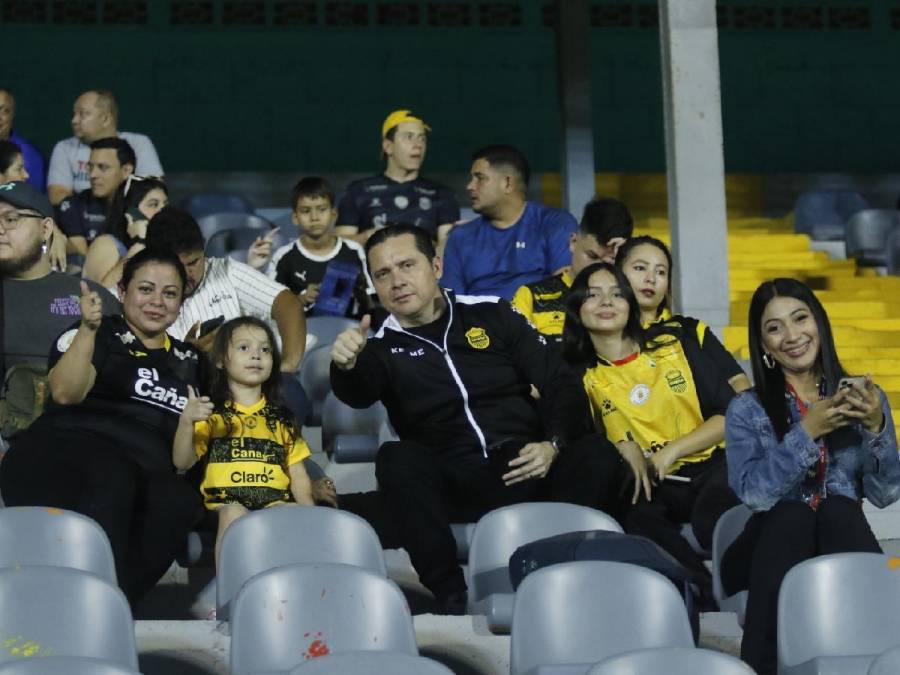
(700, 502)
(421, 492)
(770, 545)
(145, 514)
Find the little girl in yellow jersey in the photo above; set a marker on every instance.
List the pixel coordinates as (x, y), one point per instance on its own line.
(253, 448)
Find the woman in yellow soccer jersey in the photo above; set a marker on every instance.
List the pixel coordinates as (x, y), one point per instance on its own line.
(661, 401)
(647, 263)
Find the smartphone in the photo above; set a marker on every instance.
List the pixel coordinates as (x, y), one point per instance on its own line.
(136, 214)
(502, 452)
(848, 382)
(210, 325)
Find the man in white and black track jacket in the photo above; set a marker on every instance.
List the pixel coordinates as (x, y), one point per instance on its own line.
(455, 375)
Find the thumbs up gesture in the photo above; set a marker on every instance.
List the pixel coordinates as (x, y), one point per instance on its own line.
(349, 344)
(198, 408)
(91, 307)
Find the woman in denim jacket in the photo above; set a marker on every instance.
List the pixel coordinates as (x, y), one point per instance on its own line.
(803, 449)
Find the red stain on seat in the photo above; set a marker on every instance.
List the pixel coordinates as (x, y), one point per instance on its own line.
(316, 648)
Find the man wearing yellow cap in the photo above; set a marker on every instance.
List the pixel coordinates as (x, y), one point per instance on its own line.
(398, 195)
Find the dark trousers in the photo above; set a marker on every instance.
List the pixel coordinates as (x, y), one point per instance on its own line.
(700, 502)
(421, 492)
(770, 545)
(146, 515)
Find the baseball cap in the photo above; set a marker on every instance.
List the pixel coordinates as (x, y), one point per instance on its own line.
(398, 117)
(23, 196)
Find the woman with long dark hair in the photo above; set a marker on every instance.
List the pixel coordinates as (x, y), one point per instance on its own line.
(661, 402)
(804, 446)
(647, 262)
(134, 203)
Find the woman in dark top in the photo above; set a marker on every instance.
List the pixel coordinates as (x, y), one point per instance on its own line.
(103, 446)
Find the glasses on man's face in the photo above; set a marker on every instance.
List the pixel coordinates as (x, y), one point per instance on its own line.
(12, 219)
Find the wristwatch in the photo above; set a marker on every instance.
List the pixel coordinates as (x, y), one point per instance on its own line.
(559, 443)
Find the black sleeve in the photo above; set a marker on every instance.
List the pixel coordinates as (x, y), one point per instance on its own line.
(284, 274)
(715, 351)
(348, 211)
(563, 406)
(363, 385)
(62, 342)
(447, 208)
(713, 389)
(69, 217)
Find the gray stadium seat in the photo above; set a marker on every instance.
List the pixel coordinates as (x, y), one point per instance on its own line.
(350, 435)
(892, 252)
(218, 222)
(38, 535)
(822, 214)
(234, 243)
(290, 614)
(570, 616)
(327, 328)
(60, 611)
(836, 613)
(499, 533)
(64, 665)
(315, 378)
(728, 527)
(371, 663)
(867, 235)
(209, 203)
(284, 535)
(672, 661)
(887, 663)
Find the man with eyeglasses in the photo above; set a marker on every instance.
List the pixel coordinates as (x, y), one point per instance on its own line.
(37, 303)
(83, 216)
(399, 194)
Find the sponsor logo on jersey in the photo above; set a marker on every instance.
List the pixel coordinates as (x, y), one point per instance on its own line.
(520, 244)
(424, 203)
(607, 408)
(64, 341)
(478, 338)
(376, 188)
(639, 394)
(425, 191)
(676, 381)
(375, 203)
(263, 476)
(147, 387)
(401, 201)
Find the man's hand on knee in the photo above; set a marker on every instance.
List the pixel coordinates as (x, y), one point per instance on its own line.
(349, 344)
(534, 461)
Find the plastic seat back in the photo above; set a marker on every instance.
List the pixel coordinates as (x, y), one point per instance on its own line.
(235, 243)
(218, 222)
(371, 663)
(209, 203)
(671, 661)
(60, 611)
(499, 533)
(285, 535)
(293, 613)
(867, 235)
(327, 328)
(892, 252)
(340, 422)
(38, 535)
(887, 663)
(583, 612)
(822, 214)
(64, 665)
(728, 527)
(837, 606)
(315, 378)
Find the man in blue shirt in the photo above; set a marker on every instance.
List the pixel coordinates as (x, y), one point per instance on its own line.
(34, 160)
(513, 241)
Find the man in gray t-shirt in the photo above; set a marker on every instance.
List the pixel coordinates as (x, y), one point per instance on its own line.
(38, 304)
(96, 116)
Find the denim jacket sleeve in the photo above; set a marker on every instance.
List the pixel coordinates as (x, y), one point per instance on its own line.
(762, 469)
(881, 467)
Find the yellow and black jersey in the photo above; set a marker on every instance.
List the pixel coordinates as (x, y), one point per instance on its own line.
(248, 454)
(710, 345)
(658, 394)
(541, 302)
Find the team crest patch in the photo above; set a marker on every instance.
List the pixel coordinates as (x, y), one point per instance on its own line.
(478, 338)
(250, 422)
(639, 394)
(676, 381)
